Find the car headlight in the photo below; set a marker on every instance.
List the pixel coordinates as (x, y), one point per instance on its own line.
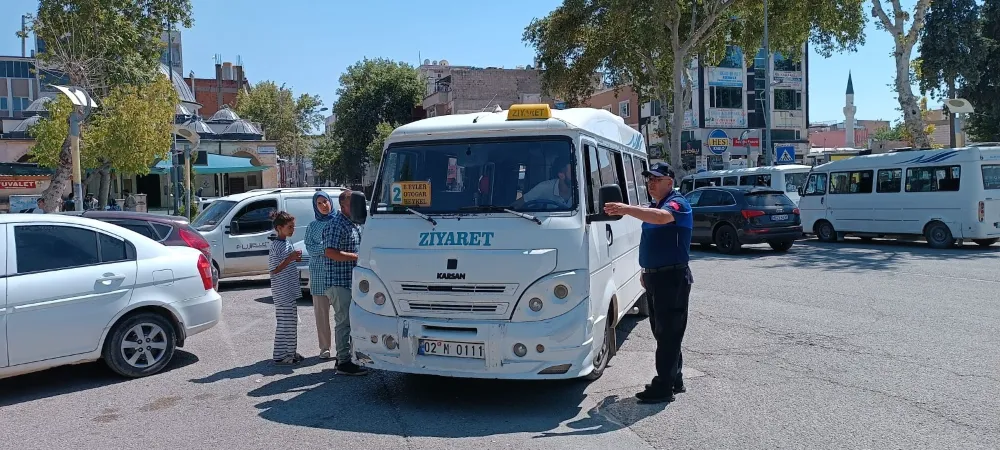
(370, 294)
(552, 296)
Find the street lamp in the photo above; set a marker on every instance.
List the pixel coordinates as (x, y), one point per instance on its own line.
(83, 104)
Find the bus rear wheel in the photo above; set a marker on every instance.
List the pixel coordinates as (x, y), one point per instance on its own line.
(938, 235)
(825, 231)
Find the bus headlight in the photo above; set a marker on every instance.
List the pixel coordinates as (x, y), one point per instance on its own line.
(370, 294)
(551, 296)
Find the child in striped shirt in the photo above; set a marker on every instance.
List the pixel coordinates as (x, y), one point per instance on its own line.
(285, 290)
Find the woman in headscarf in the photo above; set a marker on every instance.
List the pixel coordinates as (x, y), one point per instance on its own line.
(320, 269)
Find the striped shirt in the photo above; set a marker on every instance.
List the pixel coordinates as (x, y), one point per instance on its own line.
(285, 287)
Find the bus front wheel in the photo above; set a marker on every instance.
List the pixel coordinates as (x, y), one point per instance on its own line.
(825, 231)
(607, 349)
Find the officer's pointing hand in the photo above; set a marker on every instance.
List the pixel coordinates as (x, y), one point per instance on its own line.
(615, 209)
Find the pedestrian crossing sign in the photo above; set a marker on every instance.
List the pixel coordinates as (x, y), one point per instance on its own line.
(786, 154)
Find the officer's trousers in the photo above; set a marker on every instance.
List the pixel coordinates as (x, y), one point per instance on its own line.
(668, 290)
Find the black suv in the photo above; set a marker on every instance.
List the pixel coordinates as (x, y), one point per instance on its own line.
(732, 216)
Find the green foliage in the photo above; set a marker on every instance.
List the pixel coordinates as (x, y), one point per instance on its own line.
(51, 132)
(326, 159)
(133, 128)
(650, 45)
(984, 124)
(101, 44)
(899, 132)
(285, 118)
(950, 47)
(372, 92)
(375, 147)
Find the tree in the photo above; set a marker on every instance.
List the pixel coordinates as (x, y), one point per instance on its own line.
(133, 128)
(326, 159)
(99, 45)
(651, 45)
(899, 131)
(285, 118)
(949, 47)
(372, 92)
(375, 147)
(895, 23)
(984, 124)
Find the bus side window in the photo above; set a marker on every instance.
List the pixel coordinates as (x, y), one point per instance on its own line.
(630, 180)
(729, 181)
(640, 181)
(593, 179)
(687, 185)
(618, 171)
(816, 185)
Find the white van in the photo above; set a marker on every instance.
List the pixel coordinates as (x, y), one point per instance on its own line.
(786, 178)
(469, 269)
(941, 195)
(240, 226)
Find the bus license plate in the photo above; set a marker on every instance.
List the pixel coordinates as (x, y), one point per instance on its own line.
(448, 348)
(779, 218)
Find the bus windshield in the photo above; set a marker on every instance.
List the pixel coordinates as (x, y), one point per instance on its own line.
(523, 175)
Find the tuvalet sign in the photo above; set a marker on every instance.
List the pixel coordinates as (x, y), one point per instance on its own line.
(18, 184)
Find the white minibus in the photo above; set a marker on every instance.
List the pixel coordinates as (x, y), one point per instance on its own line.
(486, 252)
(787, 178)
(944, 196)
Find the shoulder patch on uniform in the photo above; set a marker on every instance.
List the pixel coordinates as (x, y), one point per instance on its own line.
(674, 205)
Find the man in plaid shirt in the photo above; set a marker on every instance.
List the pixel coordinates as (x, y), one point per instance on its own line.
(341, 237)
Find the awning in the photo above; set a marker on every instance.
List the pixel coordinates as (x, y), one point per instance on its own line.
(216, 164)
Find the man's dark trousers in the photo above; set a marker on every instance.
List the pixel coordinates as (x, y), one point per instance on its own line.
(668, 291)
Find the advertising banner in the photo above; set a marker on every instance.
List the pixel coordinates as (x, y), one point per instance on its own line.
(718, 76)
(725, 118)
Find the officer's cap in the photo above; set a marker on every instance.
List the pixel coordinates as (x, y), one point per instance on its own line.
(660, 169)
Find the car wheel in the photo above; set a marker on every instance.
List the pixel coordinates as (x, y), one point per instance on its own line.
(726, 240)
(985, 242)
(781, 246)
(938, 235)
(140, 345)
(607, 348)
(825, 232)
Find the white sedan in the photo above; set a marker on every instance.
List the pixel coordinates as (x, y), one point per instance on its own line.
(76, 290)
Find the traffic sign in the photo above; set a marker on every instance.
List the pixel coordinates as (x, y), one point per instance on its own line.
(718, 142)
(786, 154)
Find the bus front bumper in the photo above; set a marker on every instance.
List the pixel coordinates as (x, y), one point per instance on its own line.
(394, 344)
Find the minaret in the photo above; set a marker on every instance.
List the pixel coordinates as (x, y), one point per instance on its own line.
(849, 111)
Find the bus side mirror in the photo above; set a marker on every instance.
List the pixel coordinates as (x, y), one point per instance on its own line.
(359, 211)
(609, 193)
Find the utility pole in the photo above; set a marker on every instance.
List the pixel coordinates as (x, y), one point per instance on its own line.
(768, 157)
(24, 35)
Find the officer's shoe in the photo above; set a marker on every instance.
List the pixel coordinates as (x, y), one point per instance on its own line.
(678, 388)
(655, 394)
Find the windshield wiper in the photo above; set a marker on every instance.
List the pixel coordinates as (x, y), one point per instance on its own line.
(422, 216)
(492, 208)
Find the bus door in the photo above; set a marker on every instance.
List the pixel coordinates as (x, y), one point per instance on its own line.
(813, 201)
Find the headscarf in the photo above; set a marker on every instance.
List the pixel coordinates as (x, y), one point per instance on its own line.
(320, 216)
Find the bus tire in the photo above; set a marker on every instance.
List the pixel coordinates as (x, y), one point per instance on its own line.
(985, 242)
(607, 349)
(938, 235)
(825, 231)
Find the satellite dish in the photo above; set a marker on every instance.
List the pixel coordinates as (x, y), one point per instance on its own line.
(959, 106)
(444, 62)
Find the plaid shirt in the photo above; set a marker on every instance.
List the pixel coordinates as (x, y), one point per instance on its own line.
(339, 234)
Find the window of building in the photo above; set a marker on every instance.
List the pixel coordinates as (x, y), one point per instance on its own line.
(856, 182)
(623, 109)
(889, 180)
(787, 100)
(3, 103)
(783, 64)
(933, 179)
(21, 103)
(725, 97)
(607, 108)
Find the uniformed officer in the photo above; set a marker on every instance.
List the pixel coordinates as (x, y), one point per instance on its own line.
(664, 255)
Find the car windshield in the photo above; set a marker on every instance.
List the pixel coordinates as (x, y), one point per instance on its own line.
(210, 217)
(793, 181)
(764, 199)
(478, 175)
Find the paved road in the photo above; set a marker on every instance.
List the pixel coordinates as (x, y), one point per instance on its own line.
(845, 345)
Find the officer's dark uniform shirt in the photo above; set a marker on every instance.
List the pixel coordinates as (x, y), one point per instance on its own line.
(668, 244)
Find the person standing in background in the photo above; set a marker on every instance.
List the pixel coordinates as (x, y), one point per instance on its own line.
(664, 253)
(320, 269)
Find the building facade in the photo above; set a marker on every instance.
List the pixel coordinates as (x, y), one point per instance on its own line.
(463, 89)
(622, 102)
(19, 86)
(220, 91)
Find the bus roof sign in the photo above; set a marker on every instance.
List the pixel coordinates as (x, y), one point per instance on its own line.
(529, 112)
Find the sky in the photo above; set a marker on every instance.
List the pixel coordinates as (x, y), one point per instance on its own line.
(307, 44)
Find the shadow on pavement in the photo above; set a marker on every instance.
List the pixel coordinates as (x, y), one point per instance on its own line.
(69, 379)
(303, 301)
(243, 284)
(851, 254)
(263, 368)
